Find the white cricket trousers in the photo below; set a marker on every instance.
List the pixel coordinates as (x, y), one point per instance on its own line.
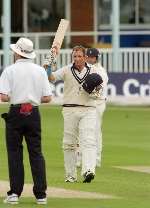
(100, 108)
(79, 122)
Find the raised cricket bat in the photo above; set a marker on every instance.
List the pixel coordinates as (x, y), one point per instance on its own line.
(57, 42)
(60, 33)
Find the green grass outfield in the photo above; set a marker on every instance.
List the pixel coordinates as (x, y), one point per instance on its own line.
(126, 141)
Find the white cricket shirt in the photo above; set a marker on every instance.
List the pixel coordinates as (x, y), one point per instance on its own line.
(104, 76)
(73, 80)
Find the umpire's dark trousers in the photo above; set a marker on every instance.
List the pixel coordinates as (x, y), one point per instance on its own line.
(29, 126)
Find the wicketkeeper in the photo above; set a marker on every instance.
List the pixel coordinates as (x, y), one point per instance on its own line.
(93, 57)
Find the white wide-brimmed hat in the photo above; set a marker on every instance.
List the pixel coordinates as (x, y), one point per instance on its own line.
(24, 47)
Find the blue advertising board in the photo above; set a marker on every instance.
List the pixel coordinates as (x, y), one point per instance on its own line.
(129, 84)
(128, 40)
(120, 84)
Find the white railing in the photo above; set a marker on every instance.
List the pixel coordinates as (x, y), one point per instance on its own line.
(43, 39)
(130, 59)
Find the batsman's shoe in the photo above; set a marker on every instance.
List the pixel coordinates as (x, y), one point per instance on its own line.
(42, 201)
(70, 179)
(88, 177)
(11, 199)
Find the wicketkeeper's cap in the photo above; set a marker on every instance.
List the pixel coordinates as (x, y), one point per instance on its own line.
(92, 52)
(24, 47)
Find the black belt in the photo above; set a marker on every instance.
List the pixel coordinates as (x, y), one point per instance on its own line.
(75, 105)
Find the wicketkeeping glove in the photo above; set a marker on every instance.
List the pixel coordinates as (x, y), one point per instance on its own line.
(91, 82)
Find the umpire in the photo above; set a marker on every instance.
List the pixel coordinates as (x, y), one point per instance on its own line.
(25, 85)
